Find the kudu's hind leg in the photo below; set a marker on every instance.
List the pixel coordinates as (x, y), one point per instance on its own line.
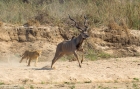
(56, 58)
(53, 61)
(77, 59)
(57, 53)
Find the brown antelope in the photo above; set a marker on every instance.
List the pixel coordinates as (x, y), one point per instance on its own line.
(71, 46)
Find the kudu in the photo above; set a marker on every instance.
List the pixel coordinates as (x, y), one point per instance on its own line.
(73, 45)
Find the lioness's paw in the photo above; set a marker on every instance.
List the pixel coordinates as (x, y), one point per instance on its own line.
(53, 68)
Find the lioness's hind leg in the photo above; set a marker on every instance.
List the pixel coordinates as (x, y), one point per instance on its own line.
(21, 59)
(27, 60)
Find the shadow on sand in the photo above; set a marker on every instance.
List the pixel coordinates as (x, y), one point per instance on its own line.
(44, 68)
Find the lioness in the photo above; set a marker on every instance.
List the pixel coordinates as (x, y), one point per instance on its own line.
(31, 55)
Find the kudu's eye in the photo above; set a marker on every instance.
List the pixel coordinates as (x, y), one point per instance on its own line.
(87, 35)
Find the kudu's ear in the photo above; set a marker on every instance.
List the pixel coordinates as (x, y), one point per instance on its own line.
(80, 29)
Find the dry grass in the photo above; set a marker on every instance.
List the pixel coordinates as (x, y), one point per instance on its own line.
(118, 29)
(125, 28)
(32, 22)
(99, 12)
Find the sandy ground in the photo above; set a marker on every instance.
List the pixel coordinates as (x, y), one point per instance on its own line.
(114, 73)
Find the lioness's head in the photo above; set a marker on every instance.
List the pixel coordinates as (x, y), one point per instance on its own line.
(39, 52)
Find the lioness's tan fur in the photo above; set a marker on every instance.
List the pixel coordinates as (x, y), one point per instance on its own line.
(31, 55)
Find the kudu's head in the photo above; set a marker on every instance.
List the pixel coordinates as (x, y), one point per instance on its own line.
(83, 31)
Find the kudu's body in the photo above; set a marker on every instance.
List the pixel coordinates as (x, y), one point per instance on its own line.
(71, 46)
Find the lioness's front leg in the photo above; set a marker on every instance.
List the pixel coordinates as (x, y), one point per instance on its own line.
(29, 62)
(36, 61)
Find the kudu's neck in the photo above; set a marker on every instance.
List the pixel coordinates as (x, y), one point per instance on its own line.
(79, 40)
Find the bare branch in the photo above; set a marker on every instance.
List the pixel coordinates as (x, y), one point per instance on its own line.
(85, 23)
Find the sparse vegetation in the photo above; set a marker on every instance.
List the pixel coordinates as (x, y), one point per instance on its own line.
(88, 81)
(91, 55)
(72, 87)
(104, 55)
(102, 87)
(115, 81)
(136, 79)
(135, 86)
(67, 83)
(94, 55)
(22, 87)
(1, 83)
(31, 87)
(42, 82)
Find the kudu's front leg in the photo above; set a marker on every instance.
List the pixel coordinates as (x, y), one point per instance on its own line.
(82, 58)
(77, 59)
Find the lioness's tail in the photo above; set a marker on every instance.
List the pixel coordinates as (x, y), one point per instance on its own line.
(22, 57)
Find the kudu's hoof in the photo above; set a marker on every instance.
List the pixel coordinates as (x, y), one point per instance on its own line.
(53, 68)
(81, 61)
